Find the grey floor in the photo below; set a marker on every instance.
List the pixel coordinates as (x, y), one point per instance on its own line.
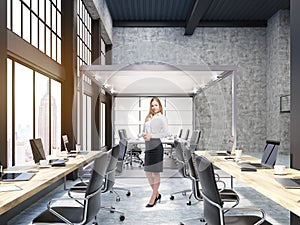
(168, 212)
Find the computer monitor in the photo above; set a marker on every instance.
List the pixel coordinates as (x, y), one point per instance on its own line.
(270, 153)
(65, 141)
(37, 149)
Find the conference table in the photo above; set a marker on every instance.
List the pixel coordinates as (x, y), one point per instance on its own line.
(43, 178)
(263, 180)
(137, 141)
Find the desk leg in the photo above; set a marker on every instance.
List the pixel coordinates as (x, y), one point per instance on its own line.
(294, 219)
(65, 183)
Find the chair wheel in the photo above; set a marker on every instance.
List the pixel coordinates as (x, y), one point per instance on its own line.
(113, 209)
(95, 223)
(172, 197)
(128, 193)
(122, 218)
(117, 199)
(189, 203)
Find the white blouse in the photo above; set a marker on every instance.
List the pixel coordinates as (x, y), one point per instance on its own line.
(157, 126)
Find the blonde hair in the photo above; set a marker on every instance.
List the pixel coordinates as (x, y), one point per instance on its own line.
(151, 113)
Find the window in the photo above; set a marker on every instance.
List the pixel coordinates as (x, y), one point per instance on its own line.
(37, 22)
(33, 111)
(84, 35)
(84, 56)
(23, 116)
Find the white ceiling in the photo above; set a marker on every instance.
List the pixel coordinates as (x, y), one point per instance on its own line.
(153, 79)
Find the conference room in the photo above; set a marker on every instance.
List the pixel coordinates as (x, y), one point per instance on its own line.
(88, 70)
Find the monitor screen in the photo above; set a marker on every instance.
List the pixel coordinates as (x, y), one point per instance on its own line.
(270, 154)
(37, 150)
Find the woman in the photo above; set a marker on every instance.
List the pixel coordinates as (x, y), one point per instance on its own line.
(156, 126)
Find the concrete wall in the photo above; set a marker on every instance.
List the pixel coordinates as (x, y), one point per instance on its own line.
(246, 48)
(278, 78)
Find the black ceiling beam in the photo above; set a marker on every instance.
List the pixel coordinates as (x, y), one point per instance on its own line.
(148, 23)
(258, 23)
(199, 9)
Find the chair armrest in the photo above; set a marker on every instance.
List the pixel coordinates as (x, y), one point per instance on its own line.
(222, 182)
(217, 177)
(249, 209)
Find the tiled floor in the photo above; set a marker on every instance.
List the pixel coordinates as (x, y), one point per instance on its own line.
(168, 212)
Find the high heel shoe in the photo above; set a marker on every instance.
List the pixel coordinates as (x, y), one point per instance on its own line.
(150, 205)
(158, 198)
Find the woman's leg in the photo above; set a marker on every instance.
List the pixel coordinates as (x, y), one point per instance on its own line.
(154, 181)
(150, 178)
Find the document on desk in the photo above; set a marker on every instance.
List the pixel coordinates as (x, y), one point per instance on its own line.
(5, 188)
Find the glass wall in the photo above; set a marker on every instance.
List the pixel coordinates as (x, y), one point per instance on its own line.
(37, 22)
(33, 111)
(130, 113)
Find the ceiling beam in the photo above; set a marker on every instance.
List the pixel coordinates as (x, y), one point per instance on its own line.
(137, 23)
(199, 9)
(258, 23)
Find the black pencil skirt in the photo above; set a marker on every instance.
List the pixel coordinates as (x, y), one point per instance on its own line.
(154, 154)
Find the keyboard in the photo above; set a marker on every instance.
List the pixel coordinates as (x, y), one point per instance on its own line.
(296, 180)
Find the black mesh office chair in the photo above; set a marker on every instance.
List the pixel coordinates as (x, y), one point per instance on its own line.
(214, 213)
(109, 180)
(87, 208)
(227, 195)
(133, 151)
(180, 133)
(180, 162)
(182, 168)
(194, 141)
(186, 136)
(119, 168)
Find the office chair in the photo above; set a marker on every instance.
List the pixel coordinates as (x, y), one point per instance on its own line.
(182, 168)
(227, 195)
(89, 205)
(180, 133)
(194, 141)
(119, 168)
(109, 180)
(133, 154)
(181, 163)
(213, 210)
(186, 137)
(172, 146)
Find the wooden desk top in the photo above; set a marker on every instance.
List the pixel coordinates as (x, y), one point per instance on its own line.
(262, 180)
(43, 178)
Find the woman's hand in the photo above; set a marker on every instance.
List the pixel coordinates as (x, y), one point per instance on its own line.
(146, 136)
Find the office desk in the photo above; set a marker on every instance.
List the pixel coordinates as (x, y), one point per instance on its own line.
(262, 181)
(142, 141)
(43, 178)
